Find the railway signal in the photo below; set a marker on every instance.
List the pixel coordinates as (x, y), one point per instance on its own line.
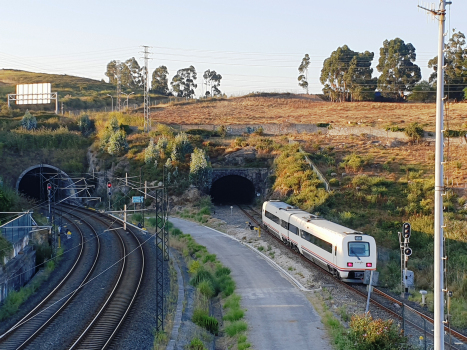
(406, 230)
(407, 276)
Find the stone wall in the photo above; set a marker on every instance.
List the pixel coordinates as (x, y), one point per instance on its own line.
(290, 128)
(17, 271)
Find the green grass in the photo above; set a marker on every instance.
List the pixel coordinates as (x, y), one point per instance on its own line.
(211, 279)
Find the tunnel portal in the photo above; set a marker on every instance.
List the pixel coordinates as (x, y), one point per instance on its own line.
(232, 189)
(33, 183)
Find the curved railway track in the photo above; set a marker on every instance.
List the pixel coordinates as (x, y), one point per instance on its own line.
(31, 325)
(104, 325)
(101, 327)
(256, 217)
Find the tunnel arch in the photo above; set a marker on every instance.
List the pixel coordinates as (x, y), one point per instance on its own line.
(29, 183)
(232, 189)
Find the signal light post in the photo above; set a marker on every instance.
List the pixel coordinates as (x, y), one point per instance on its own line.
(406, 251)
(109, 187)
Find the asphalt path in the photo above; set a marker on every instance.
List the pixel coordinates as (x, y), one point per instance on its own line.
(278, 314)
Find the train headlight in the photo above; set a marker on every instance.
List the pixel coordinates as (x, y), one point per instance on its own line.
(349, 264)
(369, 264)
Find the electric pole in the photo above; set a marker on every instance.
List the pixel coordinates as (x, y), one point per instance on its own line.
(119, 84)
(439, 290)
(147, 121)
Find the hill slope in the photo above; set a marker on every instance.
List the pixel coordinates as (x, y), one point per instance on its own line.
(60, 83)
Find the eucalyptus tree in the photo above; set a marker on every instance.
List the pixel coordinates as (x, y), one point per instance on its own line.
(131, 74)
(303, 70)
(200, 170)
(160, 81)
(347, 75)
(455, 73)
(183, 83)
(213, 80)
(399, 73)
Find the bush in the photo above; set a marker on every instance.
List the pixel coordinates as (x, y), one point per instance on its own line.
(196, 344)
(234, 315)
(202, 319)
(369, 334)
(29, 122)
(353, 161)
(334, 182)
(236, 327)
(414, 131)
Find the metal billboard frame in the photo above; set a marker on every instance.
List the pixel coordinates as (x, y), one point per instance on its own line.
(35, 97)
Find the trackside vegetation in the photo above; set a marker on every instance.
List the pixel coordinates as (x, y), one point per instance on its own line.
(211, 280)
(15, 299)
(378, 202)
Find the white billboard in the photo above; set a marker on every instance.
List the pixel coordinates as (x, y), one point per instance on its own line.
(27, 94)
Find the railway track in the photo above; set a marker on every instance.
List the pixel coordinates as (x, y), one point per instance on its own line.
(102, 326)
(36, 321)
(379, 299)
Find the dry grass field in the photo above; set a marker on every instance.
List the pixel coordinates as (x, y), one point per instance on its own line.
(267, 110)
(393, 162)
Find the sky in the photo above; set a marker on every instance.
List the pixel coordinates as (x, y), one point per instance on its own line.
(255, 45)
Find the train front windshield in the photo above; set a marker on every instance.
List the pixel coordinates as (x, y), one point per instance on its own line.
(359, 249)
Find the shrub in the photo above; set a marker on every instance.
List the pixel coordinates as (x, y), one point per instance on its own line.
(334, 182)
(196, 344)
(117, 144)
(414, 131)
(369, 334)
(137, 217)
(202, 319)
(176, 232)
(29, 122)
(206, 288)
(353, 161)
(236, 327)
(84, 124)
(234, 315)
(194, 266)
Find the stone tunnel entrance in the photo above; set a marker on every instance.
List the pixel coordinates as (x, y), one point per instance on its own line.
(33, 183)
(232, 189)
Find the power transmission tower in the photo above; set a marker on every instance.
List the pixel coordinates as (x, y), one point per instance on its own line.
(119, 84)
(439, 290)
(147, 121)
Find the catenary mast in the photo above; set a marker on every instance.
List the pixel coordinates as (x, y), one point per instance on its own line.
(439, 183)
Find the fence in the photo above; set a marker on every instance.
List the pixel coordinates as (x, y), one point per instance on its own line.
(16, 229)
(420, 331)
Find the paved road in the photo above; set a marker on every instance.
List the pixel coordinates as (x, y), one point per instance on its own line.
(278, 314)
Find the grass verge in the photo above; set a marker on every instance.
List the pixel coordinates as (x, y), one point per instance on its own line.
(212, 280)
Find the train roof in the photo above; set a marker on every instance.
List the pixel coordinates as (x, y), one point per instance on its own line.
(315, 220)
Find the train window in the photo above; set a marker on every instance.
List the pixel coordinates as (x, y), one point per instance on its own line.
(359, 249)
(272, 217)
(293, 229)
(317, 241)
(306, 236)
(285, 224)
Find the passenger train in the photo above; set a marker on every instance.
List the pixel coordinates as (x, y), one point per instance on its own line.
(346, 253)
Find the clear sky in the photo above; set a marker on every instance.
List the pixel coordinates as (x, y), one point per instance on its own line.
(255, 45)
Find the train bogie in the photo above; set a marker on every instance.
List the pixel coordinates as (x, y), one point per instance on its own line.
(340, 250)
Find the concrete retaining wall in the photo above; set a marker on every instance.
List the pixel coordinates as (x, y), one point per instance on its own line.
(282, 129)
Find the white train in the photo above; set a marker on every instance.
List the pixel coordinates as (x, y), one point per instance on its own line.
(345, 253)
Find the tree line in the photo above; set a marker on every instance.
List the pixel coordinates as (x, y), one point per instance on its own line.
(347, 75)
(183, 84)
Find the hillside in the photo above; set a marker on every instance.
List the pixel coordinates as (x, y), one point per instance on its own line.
(61, 83)
(295, 109)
